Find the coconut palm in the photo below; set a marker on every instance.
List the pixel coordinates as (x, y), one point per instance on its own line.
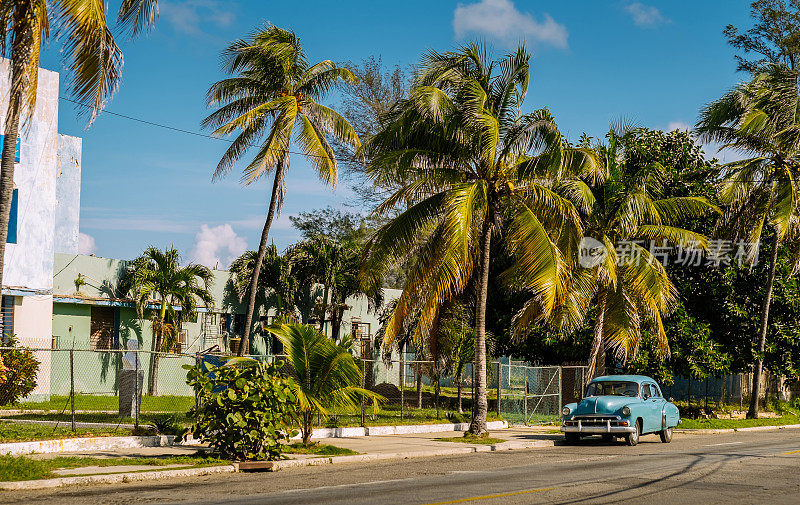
(467, 162)
(760, 118)
(91, 56)
(325, 375)
(275, 279)
(622, 214)
(156, 278)
(273, 95)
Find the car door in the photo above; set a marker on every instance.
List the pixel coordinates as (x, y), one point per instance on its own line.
(655, 404)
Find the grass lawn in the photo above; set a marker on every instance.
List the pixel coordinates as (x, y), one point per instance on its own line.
(23, 432)
(15, 468)
(719, 424)
(144, 419)
(317, 449)
(472, 439)
(111, 403)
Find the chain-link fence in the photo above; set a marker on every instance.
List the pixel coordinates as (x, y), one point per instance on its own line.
(119, 386)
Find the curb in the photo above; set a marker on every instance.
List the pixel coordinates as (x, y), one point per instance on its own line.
(365, 458)
(371, 431)
(85, 444)
(113, 478)
(711, 431)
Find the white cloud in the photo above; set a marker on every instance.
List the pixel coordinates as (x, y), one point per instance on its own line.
(217, 247)
(189, 16)
(645, 16)
(678, 125)
(86, 244)
(500, 20)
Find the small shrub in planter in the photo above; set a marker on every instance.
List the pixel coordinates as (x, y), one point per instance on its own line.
(18, 376)
(246, 408)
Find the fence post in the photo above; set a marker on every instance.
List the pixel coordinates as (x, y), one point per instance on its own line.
(560, 383)
(136, 391)
(72, 385)
(499, 385)
(363, 384)
(402, 382)
(525, 400)
(197, 363)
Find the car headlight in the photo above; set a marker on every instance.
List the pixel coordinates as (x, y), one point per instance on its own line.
(565, 411)
(626, 411)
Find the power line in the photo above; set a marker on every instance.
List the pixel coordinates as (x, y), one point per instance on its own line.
(173, 128)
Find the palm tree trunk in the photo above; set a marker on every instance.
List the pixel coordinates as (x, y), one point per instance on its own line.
(324, 309)
(158, 342)
(419, 386)
(478, 426)
(752, 412)
(20, 55)
(308, 418)
(458, 391)
(277, 184)
(597, 341)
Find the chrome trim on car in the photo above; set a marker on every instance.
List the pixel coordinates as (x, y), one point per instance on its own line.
(598, 430)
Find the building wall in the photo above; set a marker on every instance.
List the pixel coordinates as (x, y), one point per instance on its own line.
(68, 194)
(29, 262)
(33, 316)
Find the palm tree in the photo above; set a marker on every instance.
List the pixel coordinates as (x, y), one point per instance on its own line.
(275, 279)
(761, 119)
(156, 278)
(621, 210)
(465, 161)
(91, 55)
(326, 376)
(274, 92)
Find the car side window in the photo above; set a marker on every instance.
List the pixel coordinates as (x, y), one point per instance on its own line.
(646, 391)
(656, 392)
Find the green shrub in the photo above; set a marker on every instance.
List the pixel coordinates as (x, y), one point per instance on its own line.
(246, 408)
(18, 375)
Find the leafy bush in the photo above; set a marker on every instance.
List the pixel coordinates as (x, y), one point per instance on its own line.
(246, 408)
(18, 375)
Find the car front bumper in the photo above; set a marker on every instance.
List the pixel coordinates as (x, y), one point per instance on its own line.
(598, 429)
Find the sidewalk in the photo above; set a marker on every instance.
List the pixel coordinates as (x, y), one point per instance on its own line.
(418, 444)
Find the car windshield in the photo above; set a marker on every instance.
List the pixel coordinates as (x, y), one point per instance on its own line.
(613, 388)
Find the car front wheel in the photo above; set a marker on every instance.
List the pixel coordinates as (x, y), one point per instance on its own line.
(633, 438)
(666, 435)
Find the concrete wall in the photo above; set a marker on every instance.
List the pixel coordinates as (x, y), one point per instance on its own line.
(68, 194)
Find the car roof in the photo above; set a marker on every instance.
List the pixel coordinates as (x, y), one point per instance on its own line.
(632, 378)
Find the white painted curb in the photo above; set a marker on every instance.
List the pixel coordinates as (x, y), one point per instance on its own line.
(114, 478)
(85, 444)
(321, 433)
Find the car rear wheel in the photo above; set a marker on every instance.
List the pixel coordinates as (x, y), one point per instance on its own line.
(572, 438)
(633, 438)
(666, 435)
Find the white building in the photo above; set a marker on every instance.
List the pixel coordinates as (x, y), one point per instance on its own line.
(46, 185)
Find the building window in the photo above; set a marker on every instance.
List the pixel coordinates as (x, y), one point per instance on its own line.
(7, 318)
(11, 238)
(102, 329)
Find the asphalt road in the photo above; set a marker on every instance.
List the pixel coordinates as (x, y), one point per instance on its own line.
(754, 467)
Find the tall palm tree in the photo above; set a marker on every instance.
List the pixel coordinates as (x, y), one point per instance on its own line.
(91, 55)
(274, 93)
(466, 161)
(760, 118)
(622, 212)
(156, 278)
(326, 375)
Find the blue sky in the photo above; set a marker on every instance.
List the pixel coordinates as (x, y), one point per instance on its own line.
(654, 63)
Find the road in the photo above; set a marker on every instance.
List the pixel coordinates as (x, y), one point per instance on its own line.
(753, 467)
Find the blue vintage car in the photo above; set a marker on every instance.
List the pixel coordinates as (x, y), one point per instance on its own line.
(620, 406)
